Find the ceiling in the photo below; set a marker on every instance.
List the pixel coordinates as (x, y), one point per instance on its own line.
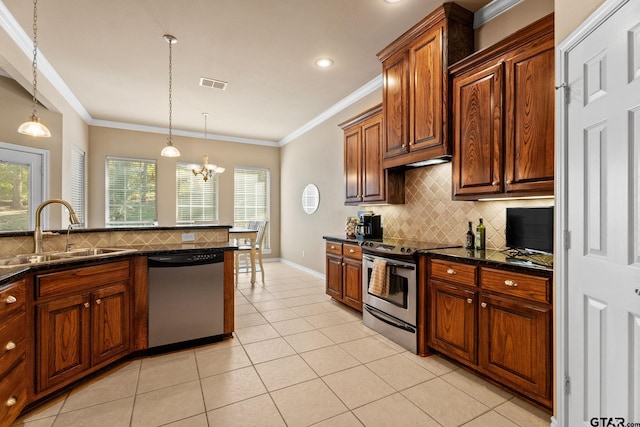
(114, 59)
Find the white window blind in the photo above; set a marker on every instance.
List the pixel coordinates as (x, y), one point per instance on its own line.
(78, 184)
(131, 192)
(251, 198)
(196, 200)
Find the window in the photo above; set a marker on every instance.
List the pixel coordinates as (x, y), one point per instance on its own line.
(197, 200)
(251, 198)
(23, 180)
(131, 192)
(78, 184)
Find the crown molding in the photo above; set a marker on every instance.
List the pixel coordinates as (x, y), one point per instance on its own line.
(491, 10)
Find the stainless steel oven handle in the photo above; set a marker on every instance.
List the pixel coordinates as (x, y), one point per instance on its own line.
(393, 264)
(375, 313)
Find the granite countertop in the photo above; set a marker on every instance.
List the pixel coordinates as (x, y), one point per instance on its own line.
(10, 274)
(495, 256)
(112, 229)
(542, 263)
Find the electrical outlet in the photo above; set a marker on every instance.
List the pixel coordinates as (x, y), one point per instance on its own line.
(188, 237)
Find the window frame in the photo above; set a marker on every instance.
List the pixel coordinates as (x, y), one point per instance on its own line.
(238, 222)
(79, 201)
(214, 181)
(123, 224)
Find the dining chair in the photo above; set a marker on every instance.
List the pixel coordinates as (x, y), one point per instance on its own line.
(243, 253)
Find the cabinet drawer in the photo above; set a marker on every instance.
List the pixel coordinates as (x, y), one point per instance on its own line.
(12, 298)
(13, 392)
(79, 279)
(352, 251)
(12, 343)
(455, 272)
(334, 248)
(516, 284)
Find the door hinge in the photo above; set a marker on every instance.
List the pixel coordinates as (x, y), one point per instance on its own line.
(566, 91)
(567, 385)
(567, 239)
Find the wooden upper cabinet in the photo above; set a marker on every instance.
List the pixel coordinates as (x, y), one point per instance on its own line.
(529, 150)
(477, 123)
(365, 179)
(415, 77)
(503, 117)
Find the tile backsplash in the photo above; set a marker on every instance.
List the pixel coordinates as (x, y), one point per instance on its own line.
(429, 214)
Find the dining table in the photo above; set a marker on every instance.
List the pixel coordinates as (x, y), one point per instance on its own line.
(239, 233)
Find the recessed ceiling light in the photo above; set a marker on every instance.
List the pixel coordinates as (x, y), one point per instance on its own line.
(324, 62)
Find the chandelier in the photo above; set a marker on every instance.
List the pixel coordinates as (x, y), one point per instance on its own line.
(170, 150)
(33, 127)
(207, 170)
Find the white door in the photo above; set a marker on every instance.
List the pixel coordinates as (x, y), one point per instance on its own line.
(22, 171)
(603, 218)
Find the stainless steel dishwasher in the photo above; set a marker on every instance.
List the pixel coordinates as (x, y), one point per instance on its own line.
(186, 297)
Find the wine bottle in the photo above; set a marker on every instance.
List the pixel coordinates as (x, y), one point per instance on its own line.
(480, 236)
(470, 240)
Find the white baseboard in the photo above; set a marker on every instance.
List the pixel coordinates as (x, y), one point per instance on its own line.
(300, 267)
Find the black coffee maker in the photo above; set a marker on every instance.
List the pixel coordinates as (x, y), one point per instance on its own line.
(369, 226)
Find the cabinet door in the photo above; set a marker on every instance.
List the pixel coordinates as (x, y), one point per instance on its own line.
(353, 283)
(110, 322)
(334, 276)
(353, 164)
(515, 345)
(373, 178)
(395, 74)
(453, 321)
(530, 97)
(477, 131)
(426, 90)
(62, 347)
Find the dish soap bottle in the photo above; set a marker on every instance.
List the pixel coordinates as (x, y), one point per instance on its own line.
(470, 239)
(480, 236)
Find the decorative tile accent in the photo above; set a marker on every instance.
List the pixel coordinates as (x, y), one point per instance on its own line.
(10, 246)
(430, 215)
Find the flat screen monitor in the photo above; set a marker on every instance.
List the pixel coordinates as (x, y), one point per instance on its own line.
(530, 229)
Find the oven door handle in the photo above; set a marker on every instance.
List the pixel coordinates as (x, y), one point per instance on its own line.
(393, 264)
(384, 318)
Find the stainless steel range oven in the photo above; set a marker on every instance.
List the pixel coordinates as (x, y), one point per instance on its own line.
(393, 313)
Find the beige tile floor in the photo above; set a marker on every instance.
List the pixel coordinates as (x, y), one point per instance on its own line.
(297, 359)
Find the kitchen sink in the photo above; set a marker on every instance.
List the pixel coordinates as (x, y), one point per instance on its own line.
(52, 257)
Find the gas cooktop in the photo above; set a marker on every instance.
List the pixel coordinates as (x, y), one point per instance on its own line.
(400, 248)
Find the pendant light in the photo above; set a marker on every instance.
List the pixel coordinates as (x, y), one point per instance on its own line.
(207, 170)
(170, 150)
(33, 127)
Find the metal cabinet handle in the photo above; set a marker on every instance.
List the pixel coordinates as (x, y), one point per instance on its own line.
(351, 251)
(333, 247)
(511, 283)
(86, 305)
(404, 145)
(98, 301)
(469, 300)
(11, 401)
(508, 182)
(483, 305)
(10, 346)
(495, 183)
(10, 299)
(451, 271)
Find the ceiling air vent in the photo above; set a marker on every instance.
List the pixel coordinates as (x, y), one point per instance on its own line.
(213, 83)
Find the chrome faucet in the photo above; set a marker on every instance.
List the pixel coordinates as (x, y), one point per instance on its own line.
(37, 234)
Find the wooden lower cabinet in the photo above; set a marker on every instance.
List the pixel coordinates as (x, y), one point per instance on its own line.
(514, 342)
(13, 337)
(344, 273)
(453, 320)
(496, 322)
(83, 328)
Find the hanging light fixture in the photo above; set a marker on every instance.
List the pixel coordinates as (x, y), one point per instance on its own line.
(207, 170)
(170, 150)
(33, 127)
